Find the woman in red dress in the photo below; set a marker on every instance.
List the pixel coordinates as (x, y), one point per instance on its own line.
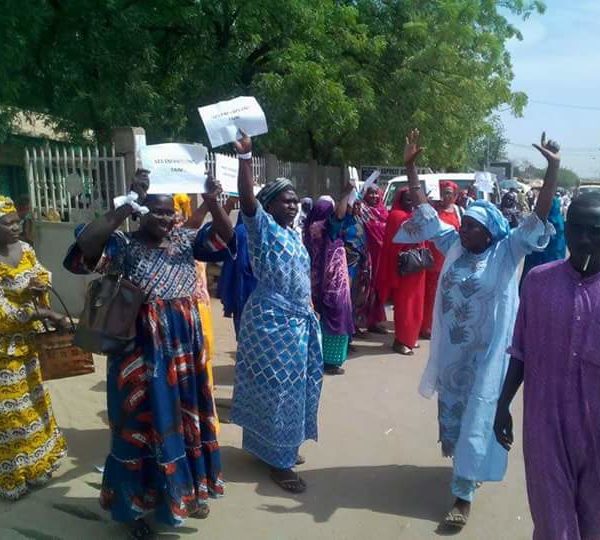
(407, 292)
(450, 213)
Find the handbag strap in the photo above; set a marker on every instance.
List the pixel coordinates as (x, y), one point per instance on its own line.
(35, 304)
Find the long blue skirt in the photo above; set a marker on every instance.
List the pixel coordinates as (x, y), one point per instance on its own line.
(164, 452)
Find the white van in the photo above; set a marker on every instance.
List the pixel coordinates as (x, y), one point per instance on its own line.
(464, 181)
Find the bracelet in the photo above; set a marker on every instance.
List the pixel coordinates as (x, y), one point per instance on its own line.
(415, 188)
(246, 156)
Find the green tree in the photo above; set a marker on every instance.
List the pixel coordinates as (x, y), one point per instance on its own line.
(339, 80)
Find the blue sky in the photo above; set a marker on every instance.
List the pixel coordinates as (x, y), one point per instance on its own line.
(558, 62)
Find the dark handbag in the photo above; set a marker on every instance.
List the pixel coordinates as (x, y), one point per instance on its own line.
(414, 260)
(108, 322)
(59, 357)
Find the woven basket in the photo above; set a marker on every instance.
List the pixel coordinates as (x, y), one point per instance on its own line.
(58, 357)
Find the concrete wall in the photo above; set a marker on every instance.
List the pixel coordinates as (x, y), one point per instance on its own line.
(52, 241)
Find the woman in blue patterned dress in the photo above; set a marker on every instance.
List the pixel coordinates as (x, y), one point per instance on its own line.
(474, 315)
(279, 368)
(164, 452)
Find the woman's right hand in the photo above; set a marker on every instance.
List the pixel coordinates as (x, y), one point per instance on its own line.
(412, 148)
(244, 145)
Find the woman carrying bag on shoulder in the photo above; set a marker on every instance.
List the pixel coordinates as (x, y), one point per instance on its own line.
(164, 451)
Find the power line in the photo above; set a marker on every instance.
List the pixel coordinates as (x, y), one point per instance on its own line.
(589, 150)
(565, 105)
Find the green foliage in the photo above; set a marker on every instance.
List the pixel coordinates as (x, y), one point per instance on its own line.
(567, 178)
(339, 80)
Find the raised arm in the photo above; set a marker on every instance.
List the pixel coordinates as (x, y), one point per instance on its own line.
(411, 153)
(550, 150)
(198, 216)
(94, 236)
(248, 201)
(221, 223)
(341, 208)
(230, 204)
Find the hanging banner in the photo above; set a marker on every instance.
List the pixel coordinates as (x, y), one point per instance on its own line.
(175, 168)
(224, 120)
(226, 172)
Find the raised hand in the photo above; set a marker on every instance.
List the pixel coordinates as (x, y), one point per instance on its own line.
(244, 145)
(213, 189)
(550, 150)
(412, 148)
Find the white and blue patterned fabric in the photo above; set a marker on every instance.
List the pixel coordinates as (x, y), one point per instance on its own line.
(474, 317)
(279, 368)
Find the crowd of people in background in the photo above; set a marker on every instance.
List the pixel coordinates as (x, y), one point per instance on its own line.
(302, 280)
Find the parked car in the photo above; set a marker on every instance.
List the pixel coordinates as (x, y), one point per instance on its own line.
(464, 181)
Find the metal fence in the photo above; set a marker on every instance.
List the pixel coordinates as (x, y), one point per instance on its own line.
(76, 184)
(72, 183)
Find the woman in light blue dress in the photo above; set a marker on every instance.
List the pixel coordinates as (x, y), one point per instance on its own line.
(474, 316)
(279, 367)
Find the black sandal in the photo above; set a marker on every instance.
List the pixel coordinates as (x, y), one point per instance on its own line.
(202, 512)
(292, 483)
(140, 530)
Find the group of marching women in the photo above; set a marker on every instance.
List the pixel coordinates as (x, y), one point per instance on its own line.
(297, 296)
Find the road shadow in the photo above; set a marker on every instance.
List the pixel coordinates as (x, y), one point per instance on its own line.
(401, 490)
(100, 386)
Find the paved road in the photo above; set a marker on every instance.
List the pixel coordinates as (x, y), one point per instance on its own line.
(376, 471)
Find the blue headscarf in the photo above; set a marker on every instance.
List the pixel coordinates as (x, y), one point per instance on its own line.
(490, 217)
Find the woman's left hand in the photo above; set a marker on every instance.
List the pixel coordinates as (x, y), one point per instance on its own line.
(213, 189)
(550, 150)
(37, 286)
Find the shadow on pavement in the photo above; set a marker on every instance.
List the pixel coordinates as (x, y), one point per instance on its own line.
(402, 490)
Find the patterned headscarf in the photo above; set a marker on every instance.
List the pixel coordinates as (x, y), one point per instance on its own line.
(267, 194)
(490, 217)
(7, 206)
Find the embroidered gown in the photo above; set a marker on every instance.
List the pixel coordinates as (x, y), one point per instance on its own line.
(474, 315)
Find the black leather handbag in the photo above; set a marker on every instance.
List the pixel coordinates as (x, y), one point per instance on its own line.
(108, 322)
(414, 260)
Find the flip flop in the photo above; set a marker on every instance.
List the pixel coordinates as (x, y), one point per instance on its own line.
(292, 485)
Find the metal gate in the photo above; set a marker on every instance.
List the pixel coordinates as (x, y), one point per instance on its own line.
(73, 184)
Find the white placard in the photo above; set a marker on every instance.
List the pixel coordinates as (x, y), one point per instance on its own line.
(226, 172)
(432, 188)
(353, 177)
(353, 197)
(484, 181)
(175, 168)
(223, 120)
(371, 181)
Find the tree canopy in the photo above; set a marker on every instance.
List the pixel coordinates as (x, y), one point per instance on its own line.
(339, 80)
(567, 178)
